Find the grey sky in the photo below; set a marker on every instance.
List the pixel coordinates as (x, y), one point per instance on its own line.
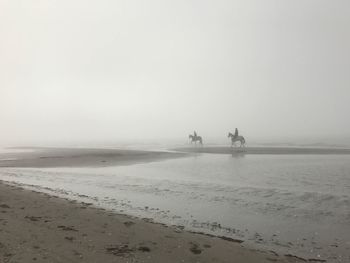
(115, 70)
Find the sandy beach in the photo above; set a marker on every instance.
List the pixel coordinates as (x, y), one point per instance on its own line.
(174, 131)
(36, 227)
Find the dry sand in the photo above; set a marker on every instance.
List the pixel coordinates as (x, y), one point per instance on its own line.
(36, 227)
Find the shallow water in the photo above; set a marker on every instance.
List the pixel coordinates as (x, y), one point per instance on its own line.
(293, 204)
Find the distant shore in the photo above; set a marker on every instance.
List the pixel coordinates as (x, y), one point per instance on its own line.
(88, 157)
(78, 157)
(261, 150)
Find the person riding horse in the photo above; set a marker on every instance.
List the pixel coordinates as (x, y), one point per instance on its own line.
(235, 137)
(236, 133)
(194, 138)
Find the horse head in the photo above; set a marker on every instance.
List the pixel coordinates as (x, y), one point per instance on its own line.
(190, 136)
(229, 135)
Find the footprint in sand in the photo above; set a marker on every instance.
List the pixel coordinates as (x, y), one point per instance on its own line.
(124, 250)
(195, 248)
(120, 250)
(67, 228)
(33, 218)
(129, 223)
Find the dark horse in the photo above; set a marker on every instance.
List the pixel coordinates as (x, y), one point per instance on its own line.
(236, 139)
(195, 138)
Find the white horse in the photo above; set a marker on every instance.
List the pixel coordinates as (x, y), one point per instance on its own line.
(195, 139)
(236, 139)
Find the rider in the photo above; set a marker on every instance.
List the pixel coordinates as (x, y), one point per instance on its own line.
(195, 134)
(236, 133)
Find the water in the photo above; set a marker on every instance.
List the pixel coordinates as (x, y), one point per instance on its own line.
(293, 204)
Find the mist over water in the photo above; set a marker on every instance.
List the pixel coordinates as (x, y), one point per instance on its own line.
(95, 72)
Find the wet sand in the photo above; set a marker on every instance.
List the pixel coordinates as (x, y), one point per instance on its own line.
(36, 227)
(261, 150)
(76, 157)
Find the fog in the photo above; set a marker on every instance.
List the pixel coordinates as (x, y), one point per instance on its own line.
(108, 71)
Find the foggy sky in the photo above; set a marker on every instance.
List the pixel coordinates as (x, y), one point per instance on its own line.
(113, 70)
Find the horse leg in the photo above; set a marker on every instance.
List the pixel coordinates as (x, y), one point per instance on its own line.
(243, 144)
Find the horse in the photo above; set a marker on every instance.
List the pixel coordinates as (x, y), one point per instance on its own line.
(236, 139)
(195, 139)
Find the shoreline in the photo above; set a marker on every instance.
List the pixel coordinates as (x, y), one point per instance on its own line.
(82, 157)
(78, 157)
(37, 227)
(263, 150)
(93, 157)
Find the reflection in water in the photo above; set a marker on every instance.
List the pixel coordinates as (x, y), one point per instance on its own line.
(236, 154)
